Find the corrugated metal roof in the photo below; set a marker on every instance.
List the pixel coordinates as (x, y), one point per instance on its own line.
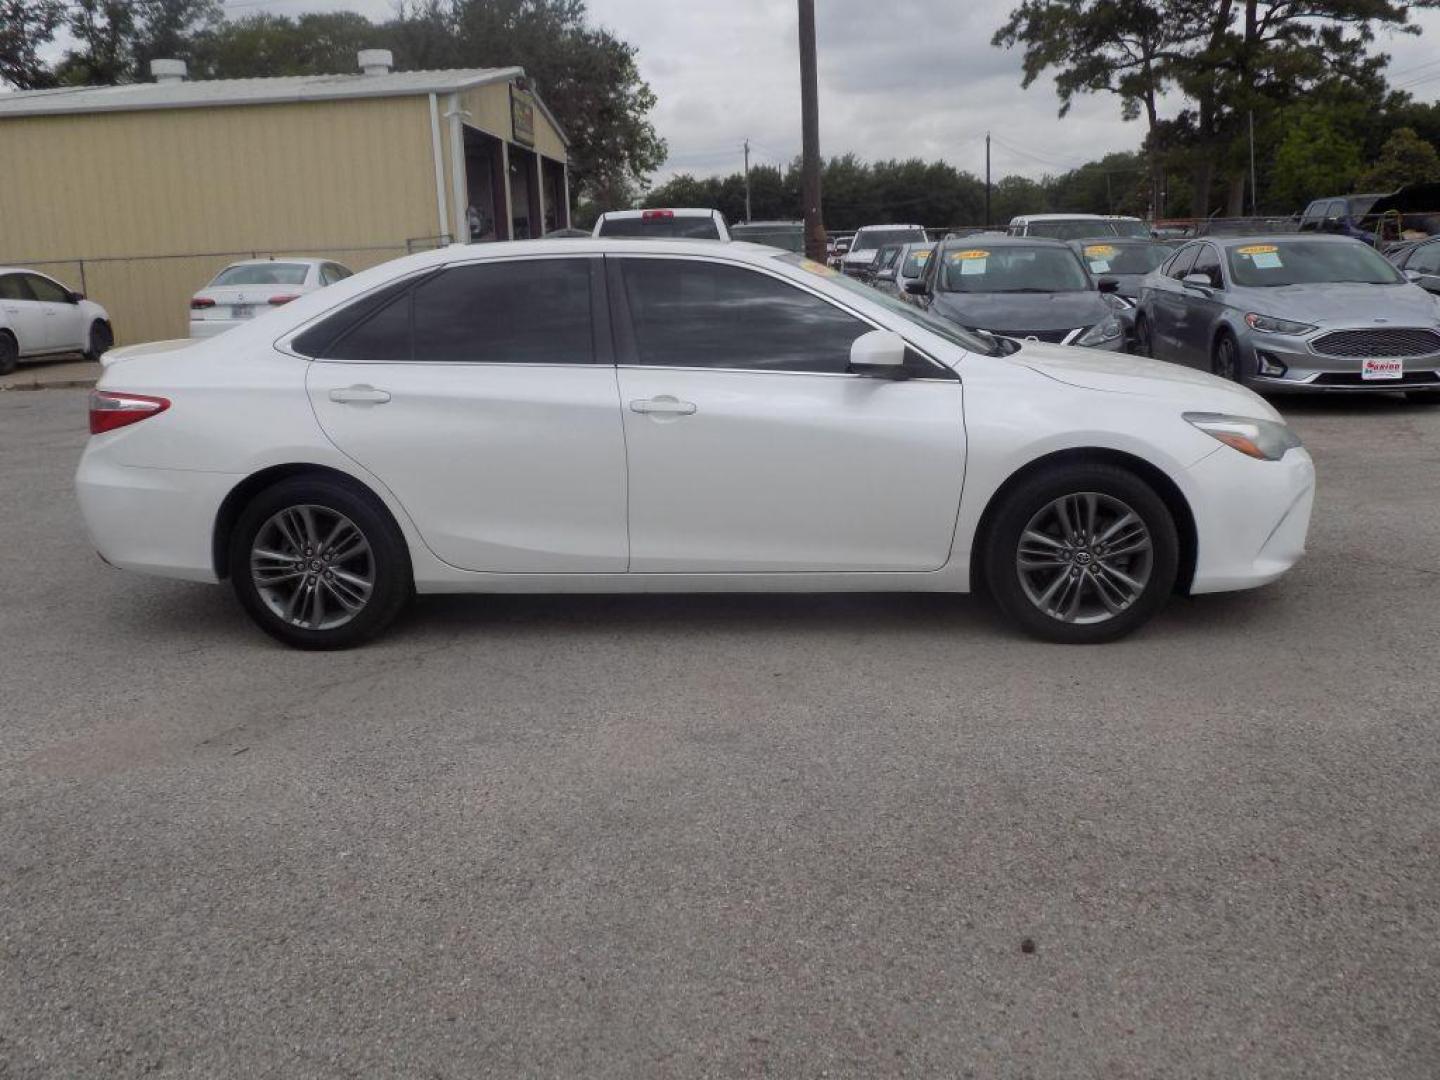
(203, 93)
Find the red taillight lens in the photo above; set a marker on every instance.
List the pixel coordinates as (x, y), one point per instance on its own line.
(656, 215)
(111, 409)
(276, 301)
(200, 303)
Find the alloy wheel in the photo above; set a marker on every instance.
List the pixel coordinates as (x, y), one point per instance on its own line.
(1225, 358)
(1084, 557)
(312, 567)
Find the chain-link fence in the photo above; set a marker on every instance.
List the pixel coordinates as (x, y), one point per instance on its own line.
(148, 296)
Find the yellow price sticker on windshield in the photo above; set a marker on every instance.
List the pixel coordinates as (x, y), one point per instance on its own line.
(1100, 249)
(922, 256)
(817, 268)
(1259, 249)
(972, 254)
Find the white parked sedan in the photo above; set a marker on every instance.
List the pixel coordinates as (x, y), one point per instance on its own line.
(245, 289)
(645, 416)
(40, 317)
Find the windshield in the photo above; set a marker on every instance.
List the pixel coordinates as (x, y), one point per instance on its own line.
(877, 238)
(1103, 258)
(270, 273)
(915, 262)
(1130, 227)
(939, 327)
(661, 228)
(1070, 228)
(785, 237)
(1309, 262)
(1012, 269)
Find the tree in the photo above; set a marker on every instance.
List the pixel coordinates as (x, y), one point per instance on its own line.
(266, 45)
(1313, 160)
(26, 26)
(1405, 159)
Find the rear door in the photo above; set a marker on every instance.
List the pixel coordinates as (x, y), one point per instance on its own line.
(752, 448)
(1203, 306)
(23, 313)
(484, 397)
(1167, 310)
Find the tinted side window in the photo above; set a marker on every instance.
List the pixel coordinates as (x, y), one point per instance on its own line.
(513, 312)
(1208, 263)
(13, 287)
(383, 336)
(696, 314)
(46, 290)
(1425, 260)
(1181, 264)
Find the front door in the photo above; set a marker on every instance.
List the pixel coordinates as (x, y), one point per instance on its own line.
(484, 398)
(60, 316)
(750, 446)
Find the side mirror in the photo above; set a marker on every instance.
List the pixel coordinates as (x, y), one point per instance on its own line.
(1414, 276)
(1108, 285)
(880, 354)
(1203, 280)
(916, 287)
(74, 297)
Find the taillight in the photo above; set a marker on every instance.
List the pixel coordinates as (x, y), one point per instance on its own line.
(200, 303)
(111, 409)
(656, 215)
(276, 301)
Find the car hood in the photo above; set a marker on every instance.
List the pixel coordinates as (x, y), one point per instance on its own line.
(1119, 373)
(1349, 303)
(1008, 313)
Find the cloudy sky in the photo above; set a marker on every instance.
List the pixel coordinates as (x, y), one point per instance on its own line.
(898, 78)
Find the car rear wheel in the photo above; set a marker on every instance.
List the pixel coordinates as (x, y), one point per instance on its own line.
(1081, 554)
(319, 564)
(1144, 344)
(101, 338)
(9, 352)
(1225, 358)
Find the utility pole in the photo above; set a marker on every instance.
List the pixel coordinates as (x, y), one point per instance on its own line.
(987, 179)
(810, 135)
(747, 181)
(1254, 195)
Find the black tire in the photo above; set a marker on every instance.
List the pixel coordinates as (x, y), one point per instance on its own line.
(1144, 343)
(387, 563)
(101, 338)
(1423, 397)
(1225, 358)
(9, 352)
(1007, 584)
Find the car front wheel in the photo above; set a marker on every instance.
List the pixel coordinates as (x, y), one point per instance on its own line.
(101, 338)
(1081, 554)
(319, 564)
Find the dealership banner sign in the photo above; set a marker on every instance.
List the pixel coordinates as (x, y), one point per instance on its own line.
(522, 116)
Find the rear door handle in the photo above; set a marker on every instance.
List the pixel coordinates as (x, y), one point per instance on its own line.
(359, 395)
(663, 404)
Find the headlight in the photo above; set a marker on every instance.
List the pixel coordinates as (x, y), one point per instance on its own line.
(1107, 329)
(1265, 440)
(1267, 324)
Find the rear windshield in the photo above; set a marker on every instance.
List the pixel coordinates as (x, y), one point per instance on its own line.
(872, 239)
(784, 237)
(659, 228)
(1075, 229)
(1012, 269)
(274, 273)
(1309, 262)
(1103, 258)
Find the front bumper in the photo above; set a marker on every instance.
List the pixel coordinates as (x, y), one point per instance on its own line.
(1309, 372)
(1251, 517)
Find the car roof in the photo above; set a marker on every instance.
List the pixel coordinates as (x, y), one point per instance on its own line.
(308, 260)
(1007, 241)
(1113, 241)
(893, 225)
(1270, 238)
(24, 270)
(735, 251)
(767, 224)
(1061, 217)
(676, 211)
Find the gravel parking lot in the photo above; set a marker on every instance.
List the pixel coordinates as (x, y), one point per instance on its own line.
(790, 836)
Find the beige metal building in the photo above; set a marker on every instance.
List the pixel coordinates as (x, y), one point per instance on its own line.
(137, 195)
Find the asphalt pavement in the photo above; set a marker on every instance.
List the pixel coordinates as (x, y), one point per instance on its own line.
(726, 836)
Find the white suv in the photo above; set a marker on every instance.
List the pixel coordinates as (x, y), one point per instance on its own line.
(871, 238)
(671, 223)
(41, 317)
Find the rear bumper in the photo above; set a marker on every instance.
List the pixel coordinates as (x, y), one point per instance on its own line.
(1251, 518)
(156, 521)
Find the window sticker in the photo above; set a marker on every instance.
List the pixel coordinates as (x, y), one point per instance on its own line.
(1099, 266)
(972, 266)
(1266, 260)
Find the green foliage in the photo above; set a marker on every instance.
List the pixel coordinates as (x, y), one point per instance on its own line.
(1315, 158)
(1405, 159)
(26, 26)
(264, 45)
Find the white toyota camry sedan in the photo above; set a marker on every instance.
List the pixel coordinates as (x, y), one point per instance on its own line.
(646, 416)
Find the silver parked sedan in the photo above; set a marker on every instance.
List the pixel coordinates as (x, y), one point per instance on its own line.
(1312, 313)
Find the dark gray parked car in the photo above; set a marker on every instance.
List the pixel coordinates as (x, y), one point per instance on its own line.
(1020, 287)
(1420, 262)
(1305, 313)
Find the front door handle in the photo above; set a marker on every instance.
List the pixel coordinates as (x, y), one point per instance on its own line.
(360, 395)
(663, 404)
